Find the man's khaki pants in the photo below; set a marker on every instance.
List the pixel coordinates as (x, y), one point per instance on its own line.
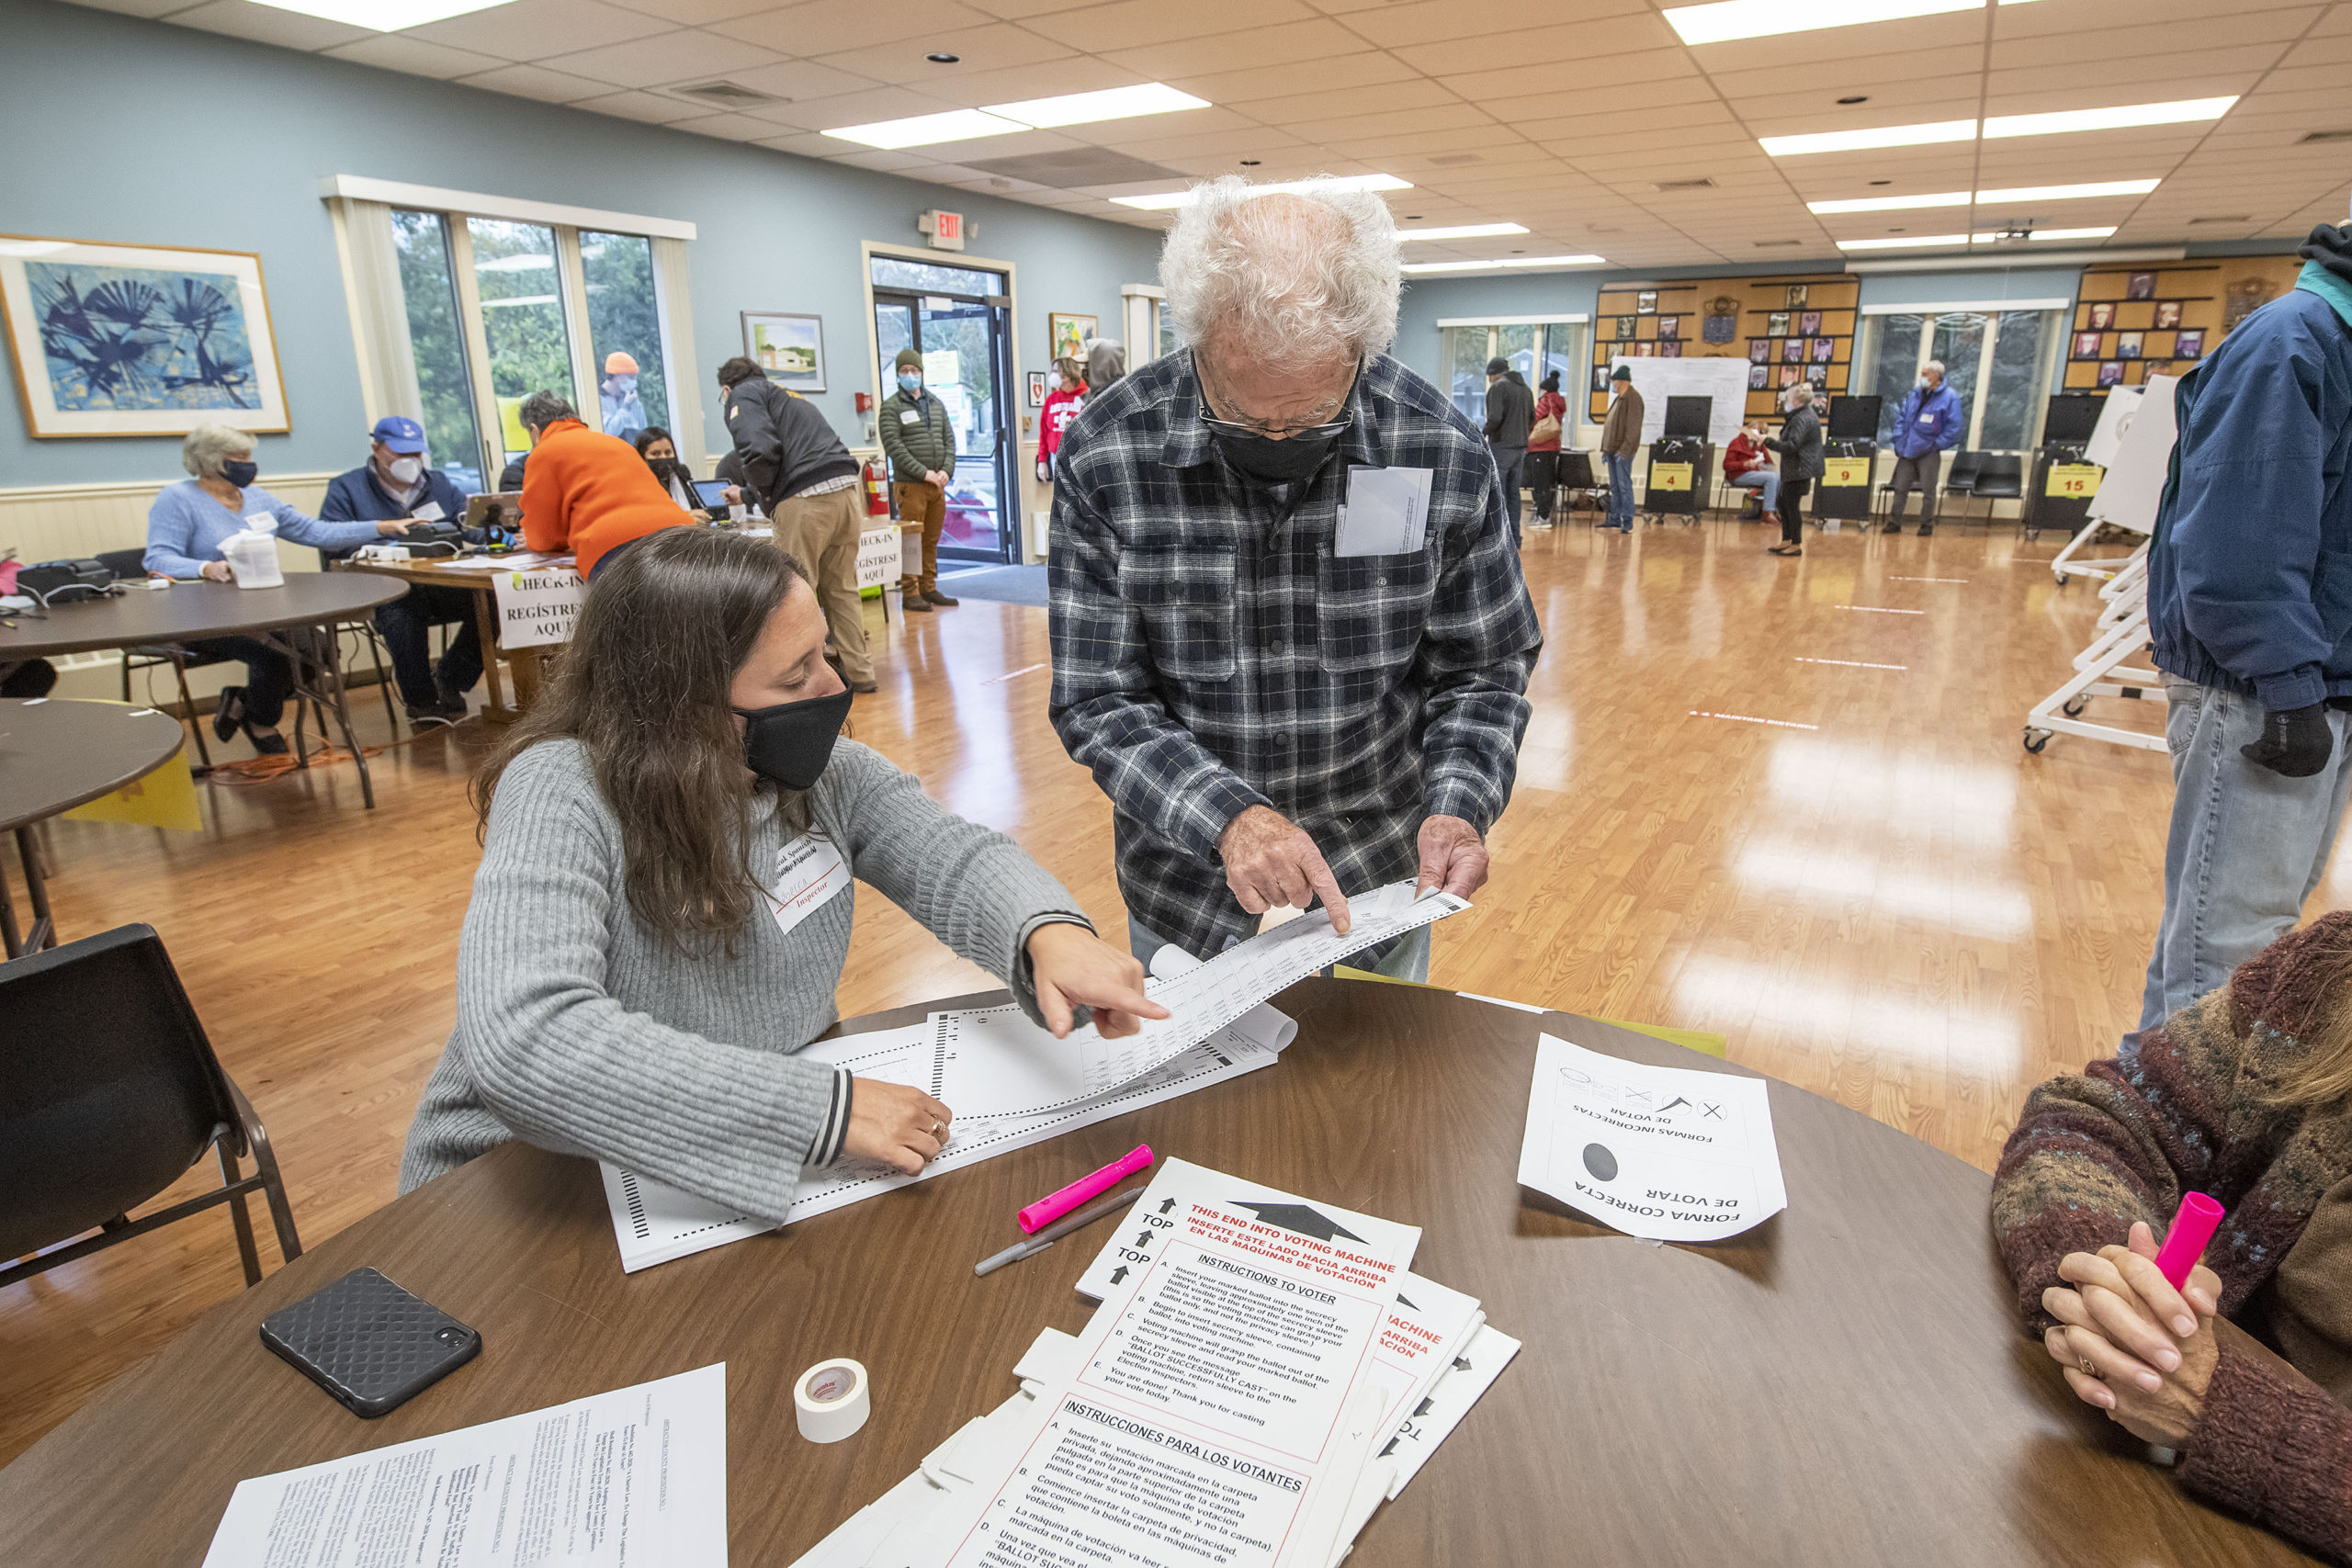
(924, 506)
(820, 533)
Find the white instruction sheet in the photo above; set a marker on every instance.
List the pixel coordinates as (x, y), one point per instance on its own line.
(994, 1062)
(1472, 1371)
(637, 1476)
(1671, 1154)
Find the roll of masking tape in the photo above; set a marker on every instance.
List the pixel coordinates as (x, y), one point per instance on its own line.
(831, 1400)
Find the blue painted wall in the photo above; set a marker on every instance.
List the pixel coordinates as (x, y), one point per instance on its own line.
(221, 144)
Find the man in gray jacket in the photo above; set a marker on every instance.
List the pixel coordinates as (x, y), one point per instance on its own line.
(806, 478)
(1511, 411)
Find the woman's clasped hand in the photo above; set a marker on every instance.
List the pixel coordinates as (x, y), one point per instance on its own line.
(2131, 1345)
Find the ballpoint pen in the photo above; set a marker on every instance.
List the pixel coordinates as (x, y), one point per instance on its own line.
(1044, 1238)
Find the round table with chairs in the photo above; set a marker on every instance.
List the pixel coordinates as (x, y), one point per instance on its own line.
(56, 754)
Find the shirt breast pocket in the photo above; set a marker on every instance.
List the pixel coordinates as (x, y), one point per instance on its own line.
(1370, 611)
(1185, 598)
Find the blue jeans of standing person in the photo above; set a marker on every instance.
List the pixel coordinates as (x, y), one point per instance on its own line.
(1406, 958)
(1765, 481)
(1510, 472)
(1621, 491)
(2246, 847)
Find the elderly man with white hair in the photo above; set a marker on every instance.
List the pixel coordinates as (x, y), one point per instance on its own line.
(1291, 637)
(1929, 425)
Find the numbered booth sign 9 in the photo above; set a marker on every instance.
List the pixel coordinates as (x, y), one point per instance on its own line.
(1842, 472)
(535, 609)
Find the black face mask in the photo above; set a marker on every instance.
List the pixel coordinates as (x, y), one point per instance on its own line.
(1275, 462)
(240, 473)
(791, 742)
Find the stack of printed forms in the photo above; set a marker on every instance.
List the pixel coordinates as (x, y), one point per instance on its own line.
(1263, 1372)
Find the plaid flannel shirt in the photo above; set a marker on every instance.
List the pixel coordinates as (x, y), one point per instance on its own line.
(1211, 653)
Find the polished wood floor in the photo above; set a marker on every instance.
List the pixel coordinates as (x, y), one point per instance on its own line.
(1784, 801)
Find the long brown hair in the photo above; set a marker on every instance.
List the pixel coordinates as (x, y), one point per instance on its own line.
(643, 685)
(2323, 1074)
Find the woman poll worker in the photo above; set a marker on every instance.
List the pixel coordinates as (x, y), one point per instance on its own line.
(185, 528)
(2245, 1095)
(587, 493)
(661, 454)
(663, 905)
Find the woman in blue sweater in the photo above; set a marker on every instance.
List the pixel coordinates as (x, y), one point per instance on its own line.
(185, 531)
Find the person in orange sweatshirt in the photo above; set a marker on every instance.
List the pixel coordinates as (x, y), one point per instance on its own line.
(585, 492)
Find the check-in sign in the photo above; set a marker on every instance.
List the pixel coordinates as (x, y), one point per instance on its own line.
(535, 609)
(877, 556)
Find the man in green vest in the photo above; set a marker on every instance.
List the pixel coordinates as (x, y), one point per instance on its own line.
(920, 441)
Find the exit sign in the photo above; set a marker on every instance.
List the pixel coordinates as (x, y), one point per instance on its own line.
(946, 229)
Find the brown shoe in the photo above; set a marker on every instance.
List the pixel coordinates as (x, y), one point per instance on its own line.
(936, 597)
(917, 601)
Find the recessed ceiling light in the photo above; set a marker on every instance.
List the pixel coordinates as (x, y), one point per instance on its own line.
(1891, 203)
(1461, 232)
(1993, 236)
(943, 58)
(1856, 98)
(2182, 111)
(383, 16)
(1031, 114)
(1727, 19)
(2023, 194)
(1883, 136)
(1913, 241)
(1168, 200)
(1512, 260)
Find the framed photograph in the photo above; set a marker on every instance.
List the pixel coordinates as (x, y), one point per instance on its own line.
(1669, 326)
(1776, 325)
(1625, 325)
(1671, 348)
(2128, 344)
(1793, 351)
(2103, 315)
(1824, 349)
(1645, 302)
(2189, 344)
(2086, 346)
(1791, 374)
(1067, 334)
(1809, 324)
(1645, 349)
(138, 340)
(2111, 373)
(789, 349)
(1037, 389)
(1760, 351)
(1760, 378)
(2167, 314)
(1800, 293)
(2140, 285)
(1601, 377)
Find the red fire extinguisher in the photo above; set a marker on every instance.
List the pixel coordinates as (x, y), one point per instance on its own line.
(878, 494)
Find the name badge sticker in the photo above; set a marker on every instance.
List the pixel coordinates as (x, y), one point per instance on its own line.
(809, 873)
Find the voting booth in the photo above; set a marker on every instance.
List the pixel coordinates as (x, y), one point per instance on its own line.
(1849, 459)
(2064, 479)
(1681, 469)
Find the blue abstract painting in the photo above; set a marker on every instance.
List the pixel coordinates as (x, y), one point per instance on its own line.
(120, 339)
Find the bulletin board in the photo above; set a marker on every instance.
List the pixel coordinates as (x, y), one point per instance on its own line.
(2160, 318)
(1785, 329)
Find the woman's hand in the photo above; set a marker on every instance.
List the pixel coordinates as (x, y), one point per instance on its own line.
(214, 571)
(1071, 964)
(2133, 1346)
(892, 1124)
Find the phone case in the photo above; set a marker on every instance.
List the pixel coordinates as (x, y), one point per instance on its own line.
(370, 1343)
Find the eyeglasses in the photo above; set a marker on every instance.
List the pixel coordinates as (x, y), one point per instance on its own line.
(1318, 428)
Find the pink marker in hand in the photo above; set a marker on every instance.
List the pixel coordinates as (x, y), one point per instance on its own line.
(2192, 1226)
(1048, 1209)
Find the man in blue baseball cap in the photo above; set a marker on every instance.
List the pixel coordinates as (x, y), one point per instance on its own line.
(397, 481)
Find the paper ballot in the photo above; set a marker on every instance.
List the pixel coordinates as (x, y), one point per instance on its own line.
(637, 1476)
(1667, 1153)
(1387, 512)
(994, 1062)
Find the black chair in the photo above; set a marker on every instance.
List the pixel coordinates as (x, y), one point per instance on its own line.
(1576, 481)
(130, 565)
(109, 1093)
(2000, 475)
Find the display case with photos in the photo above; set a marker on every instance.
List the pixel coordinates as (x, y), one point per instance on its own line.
(1755, 319)
(2133, 323)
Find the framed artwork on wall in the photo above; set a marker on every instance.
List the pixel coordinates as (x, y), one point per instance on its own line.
(1824, 349)
(2103, 315)
(1669, 326)
(1645, 302)
(1776, 325)
(1671, 348)
(2111, 373)
(1626, 326)
(1809, 322)
(2128, 344)
(1800, 293)
(1793, 351)
(2086, 346)
(138, 340)
(1791, 374)
(1068, 332)
(1759, 350)
(1760, 378)
(2167, 314)
(2189, 344)
(2140, 285)
(788, 348)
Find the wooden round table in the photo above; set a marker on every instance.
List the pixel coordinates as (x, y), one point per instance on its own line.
(56, 754)
(1844, 1385)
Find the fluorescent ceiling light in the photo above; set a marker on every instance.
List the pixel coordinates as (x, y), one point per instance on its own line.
(1891, 203)
(1883, 136)
(1168, 200)
(1729, 19)
(2182, 111)
(1111, 102)
(1991, 237)
(1505, 261)
(2064, 193)
(1029, 114)
(1463, 232)
(383, 16)
(1900, 241)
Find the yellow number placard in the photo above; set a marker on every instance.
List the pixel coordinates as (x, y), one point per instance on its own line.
(1845, 472)
(2073, 481)
(1669, 476)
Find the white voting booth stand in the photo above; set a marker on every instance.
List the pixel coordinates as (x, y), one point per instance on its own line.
(2137, 459)
(2114, 420)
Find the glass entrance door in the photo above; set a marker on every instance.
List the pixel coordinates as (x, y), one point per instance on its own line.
(963, 338)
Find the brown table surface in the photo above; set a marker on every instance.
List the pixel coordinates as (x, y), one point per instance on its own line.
(187, 611)
(1843, 1385)
(56, 753)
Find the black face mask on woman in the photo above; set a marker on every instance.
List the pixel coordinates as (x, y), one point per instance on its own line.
(240, 473)
(791, 742)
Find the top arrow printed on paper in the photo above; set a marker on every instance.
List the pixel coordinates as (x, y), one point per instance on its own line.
(1165, 1204)
(1119, 1273)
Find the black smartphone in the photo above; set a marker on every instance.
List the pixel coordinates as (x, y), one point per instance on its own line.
(370, 1343)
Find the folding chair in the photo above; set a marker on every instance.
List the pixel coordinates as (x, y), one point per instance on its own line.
(1999, 476)
(130, 565)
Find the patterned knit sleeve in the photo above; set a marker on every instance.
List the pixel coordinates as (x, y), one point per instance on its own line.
(2272, 1446)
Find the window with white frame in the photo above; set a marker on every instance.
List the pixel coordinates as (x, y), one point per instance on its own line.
(1533, 348)
(1999, 362)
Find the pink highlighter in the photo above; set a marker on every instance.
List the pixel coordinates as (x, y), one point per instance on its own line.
(1046, 1209)
(2192, 1226)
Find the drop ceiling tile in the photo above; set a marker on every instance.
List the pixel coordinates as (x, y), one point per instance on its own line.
(533, 29)
(696, 13)
(994, 47)
(1534, 46)
(649, 107)
(886, 163)
(1601, 83)
(864, 108)
(827, 27)
(1500, 22)
(795, 80)
(2059, 85)
(1015, 10)
(1807, 54)
(2336, 23)
(1887, 79)
(1774, 120)
(2291, 78)
(1301, 45)
(1065, 73)
(1690, 101)
(533, 81)
(803, 143)
(148, 8)
(726, 127)
(686, 55)
(2152, 18)
(1128, 25)
(396, 51)
(1236, 142)
(1153, 127)
(267, 24)
(1446, 116)
(2335, 51)
(1247, 86)
(1346, 102)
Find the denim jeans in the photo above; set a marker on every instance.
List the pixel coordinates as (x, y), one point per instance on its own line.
(1766, 481)
(1406, 958)
(404, 624)
(2246, 847)
(1511, 471)
(1620, 490)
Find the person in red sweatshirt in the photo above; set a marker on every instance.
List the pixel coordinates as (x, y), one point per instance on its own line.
(1747, 466)
(586, 491)
(1544, 450)
(1062, 404)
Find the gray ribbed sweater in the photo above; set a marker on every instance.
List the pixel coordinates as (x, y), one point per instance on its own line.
(579, 1031)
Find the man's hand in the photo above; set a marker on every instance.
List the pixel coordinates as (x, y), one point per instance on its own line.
(2294, 743)
(392, 527)
(934, 477)
(1453, 857)
(1072, 965)
(1270, 862)
(896, 1125)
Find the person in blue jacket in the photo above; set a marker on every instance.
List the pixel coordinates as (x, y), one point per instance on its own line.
(2250, 609)
(397, 482)
(1927, 426)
